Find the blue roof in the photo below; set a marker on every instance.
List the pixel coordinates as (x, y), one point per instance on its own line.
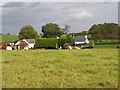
(80, 39)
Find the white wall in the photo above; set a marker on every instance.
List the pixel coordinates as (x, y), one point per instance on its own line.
(8, 48)
(81, 42)
(31, 45)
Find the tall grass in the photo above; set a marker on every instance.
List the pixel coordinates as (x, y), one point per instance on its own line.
(96, 68)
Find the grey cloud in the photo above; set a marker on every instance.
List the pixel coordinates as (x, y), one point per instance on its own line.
(16, 15)
(13, 5)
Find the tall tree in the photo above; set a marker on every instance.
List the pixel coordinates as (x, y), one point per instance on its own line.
(105, 31)
(51, 30)
(27, 32)
(66, 29)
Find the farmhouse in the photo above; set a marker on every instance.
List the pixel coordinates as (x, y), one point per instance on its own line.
(20, 45)
(25, 44)
(81, 40)
(30, 42)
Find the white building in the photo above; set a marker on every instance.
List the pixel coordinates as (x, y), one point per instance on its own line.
(81, 40)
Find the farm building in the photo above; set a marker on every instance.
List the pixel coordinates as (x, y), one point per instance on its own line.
(25, 44)
(81, 40)
(30, 42)
(20, 45)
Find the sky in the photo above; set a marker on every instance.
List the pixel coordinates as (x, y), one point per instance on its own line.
(80, 16)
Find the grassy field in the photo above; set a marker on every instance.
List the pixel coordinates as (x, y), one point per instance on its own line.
(8, 38)
(105, 44)
(95, 68)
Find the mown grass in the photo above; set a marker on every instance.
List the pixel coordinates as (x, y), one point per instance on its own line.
(96, 68)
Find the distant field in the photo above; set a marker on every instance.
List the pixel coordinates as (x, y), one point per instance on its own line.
(8, 38)
(85, 68)
(107, 44)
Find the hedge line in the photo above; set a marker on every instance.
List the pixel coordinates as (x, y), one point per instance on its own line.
(53, 42)
(46, 43)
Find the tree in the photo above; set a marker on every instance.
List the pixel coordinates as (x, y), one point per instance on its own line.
(27, 32)
(51, 30)
(66, 29)
(8, 33)
(105, 31)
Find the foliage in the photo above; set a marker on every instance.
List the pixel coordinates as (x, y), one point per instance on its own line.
(53, 42)
(62, 41)
(27, 32)
(60, 68)
(105, 31)
(69, 40)
(66, 29)
(46, 43)
(51, 30)
(79, 34)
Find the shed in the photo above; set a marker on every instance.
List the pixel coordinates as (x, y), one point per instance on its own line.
(30, 42)
(81, 40)
(21, 45)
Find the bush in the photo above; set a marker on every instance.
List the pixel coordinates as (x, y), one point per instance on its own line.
(69, 40)
(61, 41)
(46, 43)
(53, 42)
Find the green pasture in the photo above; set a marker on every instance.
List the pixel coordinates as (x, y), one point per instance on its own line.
(106, 44)
(84, 68)
(8, 38)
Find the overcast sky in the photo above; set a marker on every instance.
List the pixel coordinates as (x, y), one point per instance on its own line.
(79, 15)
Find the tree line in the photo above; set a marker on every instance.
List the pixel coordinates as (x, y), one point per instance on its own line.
(105, 31)
(53, 30)
(50, 30)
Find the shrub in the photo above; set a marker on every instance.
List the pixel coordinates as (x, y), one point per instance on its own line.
(53, 42)
(46, 43)
(61, 41)
(69, 40)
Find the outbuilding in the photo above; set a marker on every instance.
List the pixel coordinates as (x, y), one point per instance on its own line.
(20, 45)
(25, 44)
(81, 40)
